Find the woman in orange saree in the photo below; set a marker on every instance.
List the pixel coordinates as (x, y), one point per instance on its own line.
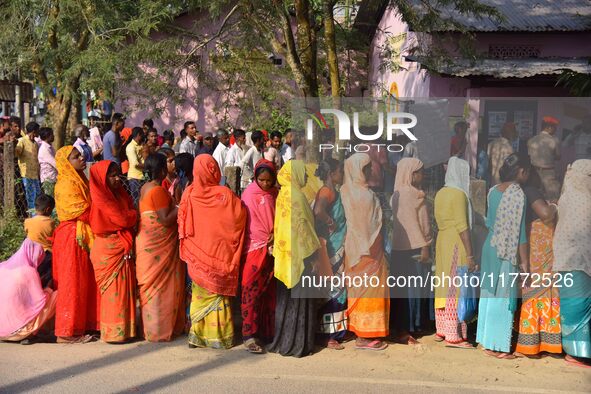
(160, 274)
(539, 318)
(78, 299)
(212, 224)
(368, 305)
(112, 219)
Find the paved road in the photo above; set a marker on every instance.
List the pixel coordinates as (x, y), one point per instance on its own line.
(173, 367)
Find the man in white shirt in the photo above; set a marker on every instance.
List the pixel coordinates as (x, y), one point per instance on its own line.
(220, 153)
(251, 158)
(189, 144)
(286, 152)
(237, 152)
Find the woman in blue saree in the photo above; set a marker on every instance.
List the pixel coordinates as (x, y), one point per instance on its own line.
(504, 254)
(572, 258)
(331, 229)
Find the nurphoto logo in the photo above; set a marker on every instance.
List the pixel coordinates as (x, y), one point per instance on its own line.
(393, 128)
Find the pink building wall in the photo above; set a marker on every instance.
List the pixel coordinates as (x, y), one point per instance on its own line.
(415, 83)
(412, 82)
(201, 105)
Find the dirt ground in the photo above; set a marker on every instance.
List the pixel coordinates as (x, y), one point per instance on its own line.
(173, 367)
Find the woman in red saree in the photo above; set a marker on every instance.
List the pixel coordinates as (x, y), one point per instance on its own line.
(258, 287)
(112, 219)
(78, 299)
(211, 229)
(160, 274)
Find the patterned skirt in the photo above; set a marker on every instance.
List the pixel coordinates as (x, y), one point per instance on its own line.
(539, 321)
(211, 320)
(446, 319)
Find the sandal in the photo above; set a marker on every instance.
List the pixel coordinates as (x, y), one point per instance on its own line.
(406, 340)
(252, 347)
(573, 361)
(72, 340)
(532, 356)
(28, 341)
(438, 338)
(373, 345)
(460, 345)
(334, 345)
(499, 355)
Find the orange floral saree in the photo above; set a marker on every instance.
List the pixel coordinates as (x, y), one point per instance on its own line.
(161, 278)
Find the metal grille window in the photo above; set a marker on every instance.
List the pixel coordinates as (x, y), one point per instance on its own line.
(498, 51)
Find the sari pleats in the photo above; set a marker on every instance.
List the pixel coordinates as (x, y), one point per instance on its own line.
(369, 307)
(211, 320)
(161, 278)
(258, 295)
(77, 308)
(539, 320)
(296, 323)
(575, 306)
(115, 278)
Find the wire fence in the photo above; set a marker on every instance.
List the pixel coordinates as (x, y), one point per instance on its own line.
(13, 189)
(11, 183)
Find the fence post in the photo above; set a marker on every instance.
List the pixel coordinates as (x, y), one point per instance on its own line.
(478, 196)
(9, 181)
(232, 175)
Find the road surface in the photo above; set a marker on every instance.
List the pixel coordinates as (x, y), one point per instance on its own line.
(173, 367)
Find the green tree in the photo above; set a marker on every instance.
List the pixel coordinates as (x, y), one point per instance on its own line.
(70, 46)
(578, 84)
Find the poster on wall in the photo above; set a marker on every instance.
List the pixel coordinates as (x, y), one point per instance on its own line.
(496, 120)
(524, 122)
(433, 133)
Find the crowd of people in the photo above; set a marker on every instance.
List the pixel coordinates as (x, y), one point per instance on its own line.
(152, 243)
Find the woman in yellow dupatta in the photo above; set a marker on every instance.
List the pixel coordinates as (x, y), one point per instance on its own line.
(368, 306)
(295, 243)
(77, 309)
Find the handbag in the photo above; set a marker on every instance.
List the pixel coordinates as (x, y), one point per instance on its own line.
(468, 298)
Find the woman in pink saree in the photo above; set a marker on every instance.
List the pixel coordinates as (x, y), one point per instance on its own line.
(25, 305)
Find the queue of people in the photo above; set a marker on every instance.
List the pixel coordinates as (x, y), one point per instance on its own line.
(169, 254)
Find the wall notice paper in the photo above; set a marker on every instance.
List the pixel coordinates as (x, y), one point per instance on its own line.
(496, 120)
(432, 131)
(524, 123)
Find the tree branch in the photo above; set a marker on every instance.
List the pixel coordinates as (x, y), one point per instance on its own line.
(216, 35)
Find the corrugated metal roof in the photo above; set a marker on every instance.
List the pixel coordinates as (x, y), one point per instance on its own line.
(528, 15)
(514, 68)
(7, 92)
